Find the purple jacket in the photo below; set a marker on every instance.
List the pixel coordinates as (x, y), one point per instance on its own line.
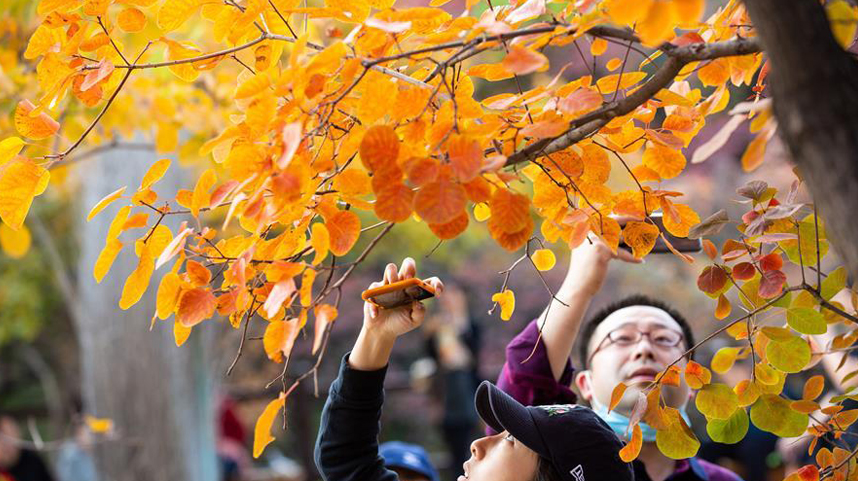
(532, 383)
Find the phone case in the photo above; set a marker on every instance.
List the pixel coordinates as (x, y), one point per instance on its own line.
(399, 293)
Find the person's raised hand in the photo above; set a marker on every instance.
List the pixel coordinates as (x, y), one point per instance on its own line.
(588, 265)
(392, 323)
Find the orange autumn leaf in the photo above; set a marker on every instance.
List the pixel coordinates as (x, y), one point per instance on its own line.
(665, 161)
(543, 259)
(173, 13)
(617, 396)
(379, 148)
(522, 61)
(440, 202)
(195, 306)
(168, 295)
(306, 291)
(697, 376)
(39, 127)
(325, 316)
(321, 241)
(466, 157)
(197, 274)
(393, 202)
(630, 451)
(723, 309)
(511, 241)
(131, 20)
(421, 170)
(105, 259)
(107, 200)
(279, 338)
(510, 210)
(813, 387)
(262, 430)
(671, 376)
(687, 219)
(451, 229)
(641, 237)
(344, 230)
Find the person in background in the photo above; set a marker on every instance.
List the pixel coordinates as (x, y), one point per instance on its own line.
(454, 344)
(409, 461)
(546, 443)
(629, 341)
(16, 462)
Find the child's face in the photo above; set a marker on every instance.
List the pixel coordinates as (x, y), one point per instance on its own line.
(500, 458)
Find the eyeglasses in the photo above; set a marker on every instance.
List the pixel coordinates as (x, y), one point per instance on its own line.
(629, 335)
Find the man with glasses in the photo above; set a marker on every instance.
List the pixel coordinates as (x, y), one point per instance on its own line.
(629, 341)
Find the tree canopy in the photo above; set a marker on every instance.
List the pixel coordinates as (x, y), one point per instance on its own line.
(305, 112)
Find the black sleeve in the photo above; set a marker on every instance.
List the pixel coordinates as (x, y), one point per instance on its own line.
(347, 446)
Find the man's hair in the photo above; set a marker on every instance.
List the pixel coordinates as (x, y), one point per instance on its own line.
(590, 326)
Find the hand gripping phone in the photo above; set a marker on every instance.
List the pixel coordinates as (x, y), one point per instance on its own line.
(398, 293)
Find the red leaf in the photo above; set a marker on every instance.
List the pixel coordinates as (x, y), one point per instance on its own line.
(743, 271)
(712, 279)
(771, 284)
(772, 262)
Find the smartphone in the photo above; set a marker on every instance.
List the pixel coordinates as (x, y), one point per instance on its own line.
(399, 293)
(681, 244)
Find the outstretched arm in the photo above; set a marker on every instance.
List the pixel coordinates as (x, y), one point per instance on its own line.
(588, 265)
(347, 446)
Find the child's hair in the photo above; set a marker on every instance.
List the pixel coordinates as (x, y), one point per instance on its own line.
(545, 471)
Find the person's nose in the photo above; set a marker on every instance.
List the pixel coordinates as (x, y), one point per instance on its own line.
(479, 447)
(644, 349)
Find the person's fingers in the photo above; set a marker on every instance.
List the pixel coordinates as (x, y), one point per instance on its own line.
(436, 284)
(390, 274)
(408, 269)
(418, 312)
(626, 256)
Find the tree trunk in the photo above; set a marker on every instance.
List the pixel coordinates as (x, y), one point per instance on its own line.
(160, 397)
(814, 85)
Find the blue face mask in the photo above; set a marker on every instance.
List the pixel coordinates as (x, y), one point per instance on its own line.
(620, 423)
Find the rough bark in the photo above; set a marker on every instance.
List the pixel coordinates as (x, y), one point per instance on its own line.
(160, 397)
(814, 85)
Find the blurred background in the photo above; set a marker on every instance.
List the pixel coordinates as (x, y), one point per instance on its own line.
(93, 392)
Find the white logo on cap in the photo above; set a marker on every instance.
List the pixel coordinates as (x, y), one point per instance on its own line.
(578, 473)
(411, 459)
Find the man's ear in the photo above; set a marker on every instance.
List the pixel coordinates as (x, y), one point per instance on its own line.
(584, 384)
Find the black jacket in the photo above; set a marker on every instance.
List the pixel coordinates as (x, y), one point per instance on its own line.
(347, 447)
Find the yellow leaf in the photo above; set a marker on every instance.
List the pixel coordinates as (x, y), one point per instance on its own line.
(482, 211)
(677, 441)
(137, 281)
(506, 301)
(543, 259)
(723, 308)
(43, 40)
(98, 425)
(598, 47)
(609, 83)
(253, 85)
(724, 359)
(168, 295)
(105, 259)
(155, 173)
(665, 161)
(320, 240)
(20, 181)
(9, 148)
(15, 243)
(39, 127)
(658, 24)
(689, 11)
(613, 64)
(641, 237)
(179, 51)
(262, 431)
(105, 202)
(180, 333)
(201, 197)
(627, 12)
(306, 291)
(173, 13)
(844, 20)
(118, 222)
(131, 20)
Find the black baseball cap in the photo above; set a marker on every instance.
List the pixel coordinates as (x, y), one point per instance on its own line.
(579, 444)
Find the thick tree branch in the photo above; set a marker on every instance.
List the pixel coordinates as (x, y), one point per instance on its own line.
(677, 58)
